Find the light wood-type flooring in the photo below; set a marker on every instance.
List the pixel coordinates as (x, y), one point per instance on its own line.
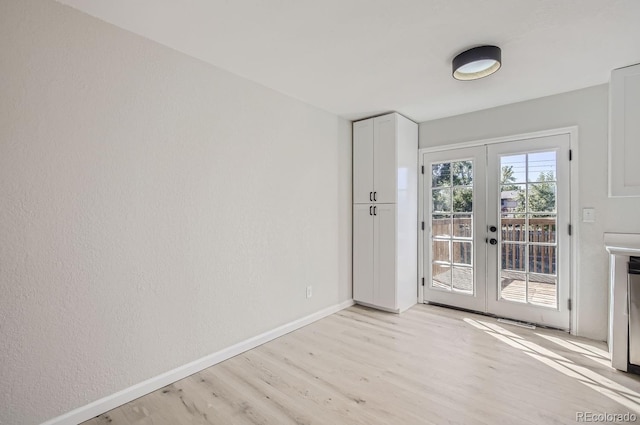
(429, 365)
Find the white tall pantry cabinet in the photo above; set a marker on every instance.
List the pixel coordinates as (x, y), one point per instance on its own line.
(385, 212)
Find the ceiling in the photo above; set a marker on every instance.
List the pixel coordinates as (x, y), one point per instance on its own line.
(358, 58)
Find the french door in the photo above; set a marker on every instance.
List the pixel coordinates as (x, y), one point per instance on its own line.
(496, 236)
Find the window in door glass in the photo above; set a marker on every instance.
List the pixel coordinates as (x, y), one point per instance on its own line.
(452, 226)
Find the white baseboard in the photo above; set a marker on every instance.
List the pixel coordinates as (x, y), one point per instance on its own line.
(105, 404)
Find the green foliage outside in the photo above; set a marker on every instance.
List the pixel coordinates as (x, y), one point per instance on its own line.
(450, 176)
(542, 194)
(452, 184)
(508, 178)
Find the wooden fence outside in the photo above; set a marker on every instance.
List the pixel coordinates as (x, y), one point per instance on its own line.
(541, 237)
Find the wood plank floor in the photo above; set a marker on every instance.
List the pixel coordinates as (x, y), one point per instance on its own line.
(540, 293)
(541, 288)
(429, 365)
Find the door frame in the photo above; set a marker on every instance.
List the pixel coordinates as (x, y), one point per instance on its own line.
(573, 206)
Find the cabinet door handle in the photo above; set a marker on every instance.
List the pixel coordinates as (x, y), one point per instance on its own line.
(374, 196)
(370, 210)
(370, 196)
(374, 210)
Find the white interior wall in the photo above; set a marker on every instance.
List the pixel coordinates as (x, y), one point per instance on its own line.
(587, 109)
(153, 209)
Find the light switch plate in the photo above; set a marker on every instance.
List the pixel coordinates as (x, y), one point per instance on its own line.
(588, 215)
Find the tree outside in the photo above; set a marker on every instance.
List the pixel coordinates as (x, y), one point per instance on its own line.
(455, 179)
(453, 193)
(542, 192)
(542, 195)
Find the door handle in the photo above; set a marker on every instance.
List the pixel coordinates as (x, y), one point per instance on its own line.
(493, 228)
(493, 241)
(374, 196)
(370, 210)
(370, 196)
(374, 210)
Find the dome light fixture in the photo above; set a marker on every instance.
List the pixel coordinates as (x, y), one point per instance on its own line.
(477, 62)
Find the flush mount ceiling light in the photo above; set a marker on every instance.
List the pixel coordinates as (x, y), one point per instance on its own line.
(477, 63)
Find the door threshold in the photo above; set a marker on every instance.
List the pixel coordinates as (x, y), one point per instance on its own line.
(517, 323)
(500, 319)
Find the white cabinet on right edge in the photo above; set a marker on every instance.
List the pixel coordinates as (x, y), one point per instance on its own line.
(624, 127)
(385, 223)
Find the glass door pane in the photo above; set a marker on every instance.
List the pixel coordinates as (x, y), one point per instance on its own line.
(453, 189)
(528, 217)
(452, 224)
(528, 200)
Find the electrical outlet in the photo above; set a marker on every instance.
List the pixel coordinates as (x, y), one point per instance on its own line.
(309, 291)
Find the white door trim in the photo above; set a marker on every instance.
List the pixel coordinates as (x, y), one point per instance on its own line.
(572, 131)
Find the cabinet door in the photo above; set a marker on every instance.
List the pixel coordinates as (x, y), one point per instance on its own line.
(384, 256)
(363, 253)
(624, 149)
(362, 161)
(384, 159)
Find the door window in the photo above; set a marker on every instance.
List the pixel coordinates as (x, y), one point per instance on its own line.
(452, 226)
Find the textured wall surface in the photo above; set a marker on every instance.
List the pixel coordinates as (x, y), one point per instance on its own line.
(588, 109)
(153, 209)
